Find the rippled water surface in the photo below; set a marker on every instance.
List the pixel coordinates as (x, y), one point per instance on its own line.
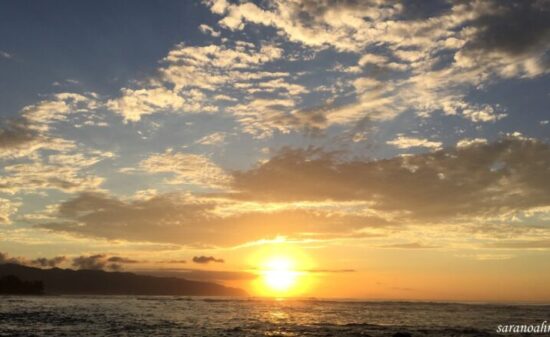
(181, 316)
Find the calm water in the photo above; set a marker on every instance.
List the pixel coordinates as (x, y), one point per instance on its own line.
(179, 316)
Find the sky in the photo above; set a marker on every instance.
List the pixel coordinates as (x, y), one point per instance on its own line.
(391, 149)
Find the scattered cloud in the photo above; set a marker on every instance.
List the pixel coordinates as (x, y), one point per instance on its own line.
(7, 209)
(184, 219)
(206, 259)
(206, 29)
(101, 262)
(48, 262)
(483, 185)
(5, 258)
(215, 138)
(120, 259)
(5, 55)
(404, 142)
(186, 168)
(133, 104)
(41, 262)
(466, 142)
(496, 178)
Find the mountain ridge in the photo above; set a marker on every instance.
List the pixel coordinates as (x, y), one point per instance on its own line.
(59, 281)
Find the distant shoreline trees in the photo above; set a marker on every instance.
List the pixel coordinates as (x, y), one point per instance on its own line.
(12, 285)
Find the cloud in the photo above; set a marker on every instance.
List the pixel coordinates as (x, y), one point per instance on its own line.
(215, 138)
(120, 259)
(7, 209)
(520, 244)
(36, 158)
(436, 54)
(174, 261)
(206, 29)
(206, 259)
(101, 262)
(133, 104)
(466, 142)
(31, 130)
(410, 245)
(48, 262)
(485, 114)
(165, 218)
(343, 25)
(5, 55)
(515, 34)
(5, 258)
(15, 133)
(40, 262)
(61, 171)
(482, 180)
(403, 142)
(201, 79)
(186, 168)
(182, 218)
(313, 194)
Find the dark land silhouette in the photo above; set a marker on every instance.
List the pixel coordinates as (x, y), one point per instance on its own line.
(12, 285)
(56, 281)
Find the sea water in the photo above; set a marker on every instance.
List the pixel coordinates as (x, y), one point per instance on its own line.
(203, 316)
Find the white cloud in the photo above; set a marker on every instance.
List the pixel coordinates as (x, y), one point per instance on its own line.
(135, 103)
(403, 142)
(485, 114)
(7, 209)
(186, 168)
(467, 142)
(64, 171)
(215, 138)
(372, 59)
(6, 55)
(206, 29)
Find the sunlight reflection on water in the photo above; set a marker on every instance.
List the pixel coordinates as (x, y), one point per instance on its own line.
(182, 316)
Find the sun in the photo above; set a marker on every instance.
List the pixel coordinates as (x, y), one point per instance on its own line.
(283, 270)
(279, 274)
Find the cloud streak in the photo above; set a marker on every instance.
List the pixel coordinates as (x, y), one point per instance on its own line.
(206, 259)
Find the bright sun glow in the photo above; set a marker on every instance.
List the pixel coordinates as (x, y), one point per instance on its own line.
(283, 271)
(279, 274)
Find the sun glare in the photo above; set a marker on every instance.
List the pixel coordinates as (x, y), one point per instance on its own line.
(283, 271)
(279, 274)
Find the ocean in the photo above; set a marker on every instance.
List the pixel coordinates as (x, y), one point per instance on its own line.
(203, 316)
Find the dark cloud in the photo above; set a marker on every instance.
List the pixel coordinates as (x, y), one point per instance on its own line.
(513, 27)
(119, 259)
(45, 262)
(171, 218)
(101, 262)
(41, 262)
(15, 133)
(206, 259)
(92, 262)
(485, 179)
(420, 10)
(174, 261)
(5, 258)
(455, 184)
